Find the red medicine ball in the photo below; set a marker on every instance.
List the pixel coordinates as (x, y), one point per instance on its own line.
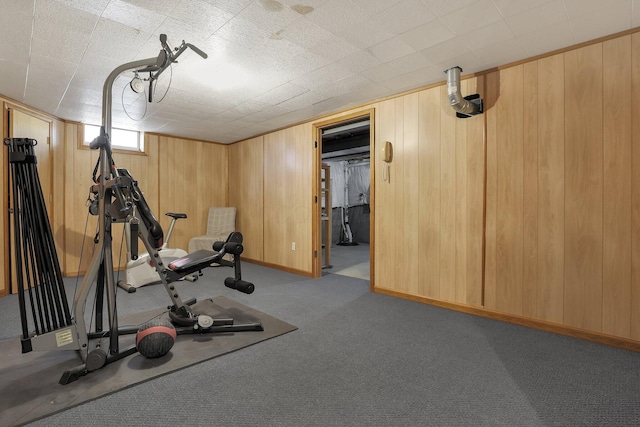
(155, 338)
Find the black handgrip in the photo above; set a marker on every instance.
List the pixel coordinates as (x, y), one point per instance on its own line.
(196, 50)
(217, 246)
(234, 248)
(134, 238)
(99, 141)
(239, 285)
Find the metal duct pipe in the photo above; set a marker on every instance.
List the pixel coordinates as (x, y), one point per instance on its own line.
(464, 106)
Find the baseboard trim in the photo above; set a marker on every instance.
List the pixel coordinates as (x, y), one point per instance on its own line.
(556, 328)
(278, 267)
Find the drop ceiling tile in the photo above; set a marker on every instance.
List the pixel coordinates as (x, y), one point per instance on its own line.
(406, 81)
(95, 7)
(54, 17)
(427, 35)
(300, 101)
(290, 3)
(538, 17)
(577, 8)
(13, 79)
(232, 6)
(547, 39)
(328, 74)
(391, 49)
(486, 36)
(501, 53)
(133, 16)
(515, 7)
(15, 8)
(206, 17)
(365, 33)
(410, 63)
(270, 20)
(116, 41)
(333, 48)
(326, 17)
(601, 22)
(83, 96)
(281, 94)
(379, 73)
(163, 7)
(374, 6)
(305, 33)
(446, 50)
(476, 15)
(270, 113)
(359, 61)
(57, 69)
(369, 93)
(52, 47)
(242, 32)
(441, 8)
(404, 16)
(15, 44)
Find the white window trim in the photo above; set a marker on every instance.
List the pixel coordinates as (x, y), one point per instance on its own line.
(95, 131)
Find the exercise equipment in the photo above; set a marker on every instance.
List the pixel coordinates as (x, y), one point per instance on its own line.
(140, 270)
(36, 269)
(116, 198)
(155, 338)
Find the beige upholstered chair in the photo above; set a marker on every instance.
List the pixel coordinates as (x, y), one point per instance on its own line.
(220, 223)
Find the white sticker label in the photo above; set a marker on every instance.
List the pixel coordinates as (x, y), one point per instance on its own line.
(64, 337)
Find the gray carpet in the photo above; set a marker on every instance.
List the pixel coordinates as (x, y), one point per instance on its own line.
(31, 388)
(364, 359)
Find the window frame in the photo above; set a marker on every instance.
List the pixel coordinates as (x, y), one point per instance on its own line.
(140, 147)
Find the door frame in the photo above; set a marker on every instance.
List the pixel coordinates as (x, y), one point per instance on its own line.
(317, 181)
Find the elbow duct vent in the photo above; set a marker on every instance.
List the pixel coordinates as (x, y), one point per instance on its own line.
(467, 106)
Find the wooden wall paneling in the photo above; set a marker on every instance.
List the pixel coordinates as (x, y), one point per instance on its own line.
(492, 90)
(475, 162)
(272, 189)
(447, 199)
(583, 188)
(398, 197)
(530, 189)
(429, 193)
(246, 165)
(550, 215)
(385, 224)
(509, 225)
(460, 214)
(176, 186)
(4, 229)
(59, 189)
(635, 188)
(617, 122)
(410, 197)
(80, 227)
(192, 179)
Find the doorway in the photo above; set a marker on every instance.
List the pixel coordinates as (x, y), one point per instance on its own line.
(345, 187)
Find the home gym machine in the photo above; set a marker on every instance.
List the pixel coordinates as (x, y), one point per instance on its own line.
(116, 198)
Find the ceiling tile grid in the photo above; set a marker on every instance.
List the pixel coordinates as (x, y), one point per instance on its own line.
(272, 63)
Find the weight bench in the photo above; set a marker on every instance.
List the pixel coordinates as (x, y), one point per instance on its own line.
(201, 259)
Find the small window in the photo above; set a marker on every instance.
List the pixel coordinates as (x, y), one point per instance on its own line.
(121, 139)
